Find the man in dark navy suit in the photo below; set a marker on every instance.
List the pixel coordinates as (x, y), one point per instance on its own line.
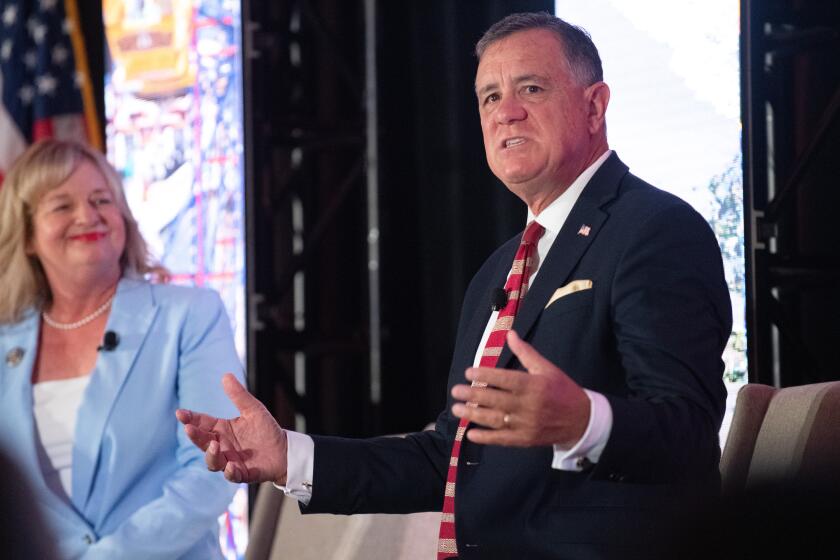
(600, 418)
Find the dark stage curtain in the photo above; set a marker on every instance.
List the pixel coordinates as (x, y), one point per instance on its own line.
(443, 212)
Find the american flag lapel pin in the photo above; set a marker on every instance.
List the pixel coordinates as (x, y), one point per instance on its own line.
(15, 356)
(584, 230)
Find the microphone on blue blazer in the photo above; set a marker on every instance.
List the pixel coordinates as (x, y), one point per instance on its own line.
(110, 341)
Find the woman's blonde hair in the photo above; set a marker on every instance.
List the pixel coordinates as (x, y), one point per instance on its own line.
(44, 166)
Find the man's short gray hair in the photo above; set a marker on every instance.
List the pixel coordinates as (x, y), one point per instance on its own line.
(581, 53)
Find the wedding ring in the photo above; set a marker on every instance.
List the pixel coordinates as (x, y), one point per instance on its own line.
(506, 420)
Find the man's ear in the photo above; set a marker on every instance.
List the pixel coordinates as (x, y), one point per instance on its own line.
(598, 97)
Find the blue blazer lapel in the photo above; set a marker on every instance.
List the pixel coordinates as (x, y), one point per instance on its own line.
(16, 401)
(131, 317)
(16, 391)
(569, 246)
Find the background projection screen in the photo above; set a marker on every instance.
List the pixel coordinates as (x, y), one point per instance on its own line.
(674, 117)
(173, 103)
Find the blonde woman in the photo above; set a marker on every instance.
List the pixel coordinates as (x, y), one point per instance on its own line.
(94, 360)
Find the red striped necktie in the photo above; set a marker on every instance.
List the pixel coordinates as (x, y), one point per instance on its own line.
(515, 287)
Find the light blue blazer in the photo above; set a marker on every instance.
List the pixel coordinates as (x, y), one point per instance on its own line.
(140, 489)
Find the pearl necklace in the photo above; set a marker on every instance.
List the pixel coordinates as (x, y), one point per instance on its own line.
(81, 322)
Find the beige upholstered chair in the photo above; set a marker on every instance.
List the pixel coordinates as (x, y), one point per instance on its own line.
(783, 435)
(280, 532)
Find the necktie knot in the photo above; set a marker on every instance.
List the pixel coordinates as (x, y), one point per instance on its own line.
(532, 234)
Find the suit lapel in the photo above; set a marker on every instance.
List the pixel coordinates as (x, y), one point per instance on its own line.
(131, 317)
(568, 247)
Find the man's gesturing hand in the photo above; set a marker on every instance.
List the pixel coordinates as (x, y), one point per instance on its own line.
(544, 408)
(250, 448)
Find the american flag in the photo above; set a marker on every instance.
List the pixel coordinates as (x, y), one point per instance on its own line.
(43, 76)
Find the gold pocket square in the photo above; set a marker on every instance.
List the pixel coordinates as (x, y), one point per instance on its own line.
(570, 288)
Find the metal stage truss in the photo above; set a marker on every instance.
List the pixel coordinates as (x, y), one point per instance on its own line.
(791, 117)
(313, 213)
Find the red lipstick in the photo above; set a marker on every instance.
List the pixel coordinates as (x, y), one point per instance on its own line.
(92, 236)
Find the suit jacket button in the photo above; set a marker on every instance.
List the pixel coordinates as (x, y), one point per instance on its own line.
(88, 539)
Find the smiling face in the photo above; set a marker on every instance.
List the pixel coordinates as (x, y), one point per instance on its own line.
(78, 228)
(541, 127)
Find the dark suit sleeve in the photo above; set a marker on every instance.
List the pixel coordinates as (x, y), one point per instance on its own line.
(672, 318)
(379, 475)
(393, 474)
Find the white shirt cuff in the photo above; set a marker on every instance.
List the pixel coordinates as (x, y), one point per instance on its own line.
(588, 450)
(300, 466)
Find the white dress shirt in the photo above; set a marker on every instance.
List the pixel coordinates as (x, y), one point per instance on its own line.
(54, 406)
(300, 453)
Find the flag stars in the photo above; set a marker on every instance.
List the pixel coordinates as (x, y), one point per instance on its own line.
(9, 15)
(35, 40)
(37, 29)
(46, 84)
(60, 54)
(26, 94)
(30, 59)
(6, 49)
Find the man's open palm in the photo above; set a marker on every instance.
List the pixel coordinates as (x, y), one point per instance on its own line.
(249, 448)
